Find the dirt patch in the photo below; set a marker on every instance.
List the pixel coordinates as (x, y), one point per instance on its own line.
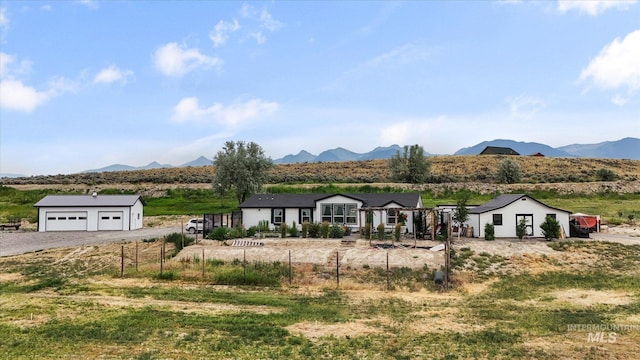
(593, 297)
(10, 277)
(317, 330)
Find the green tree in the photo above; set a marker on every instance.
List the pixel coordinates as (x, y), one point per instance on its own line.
(521, 228)
(410, 167)
(508, 172)
(461, 214)
(550, 228)
(240, 167)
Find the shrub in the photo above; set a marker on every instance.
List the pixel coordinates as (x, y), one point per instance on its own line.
(521, 228)
(489, 232)
(396, 232)
(305, 229)
(336, 231)
(314, 230)
(550, 228)
(293, 230)
(605, 175)
(177, 240)
(219, 233)
(263, 225)
(381, 231)
(238, 232)
(324, 229)
(283, 230)
(508, 172)
(367, 231)
(252, 231)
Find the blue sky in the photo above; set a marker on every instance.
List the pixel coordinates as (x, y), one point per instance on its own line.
(86, 84)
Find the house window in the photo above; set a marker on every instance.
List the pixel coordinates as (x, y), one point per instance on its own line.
(497, 219)
(305, 216)
(277, 216)
(553, 216)
(392, 214)
(339, 213)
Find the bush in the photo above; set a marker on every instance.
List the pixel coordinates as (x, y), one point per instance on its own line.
(396, 232)
(605, 175)
(293, 230)
(283, 230)
(521, 228)
(324, 229)
(489, 232)
(177, 240)
(367, 231)
(550, 228)
(314, 230)
(381, 231)
(238, 232)
(336, 231)
(252, 231)
(263, 225)
(219, 233)
(305, 229)
(508, 172)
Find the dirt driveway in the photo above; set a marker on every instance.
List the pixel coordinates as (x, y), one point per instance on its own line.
(20, 242)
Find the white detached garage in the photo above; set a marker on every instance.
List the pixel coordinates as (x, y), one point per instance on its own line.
(90, 212)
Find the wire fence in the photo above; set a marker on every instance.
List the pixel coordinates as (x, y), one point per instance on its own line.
(340, 264)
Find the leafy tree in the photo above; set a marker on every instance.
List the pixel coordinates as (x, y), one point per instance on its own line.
(462, 213)
(521, 228)
(508, 172)
(550, 228)
(410, 167)
(489, 232)
(605, 175)
(240, 167)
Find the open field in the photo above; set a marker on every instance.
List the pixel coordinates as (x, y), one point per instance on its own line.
(509, 299)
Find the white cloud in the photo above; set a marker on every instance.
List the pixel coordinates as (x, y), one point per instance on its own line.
(173, 60)
(4, 20)
(112, 74)
(524, 105)
(616, 66)
(19, 97)
(91, 4)
(593, 7)
(264, 20)
(221, 31)
(189, 109)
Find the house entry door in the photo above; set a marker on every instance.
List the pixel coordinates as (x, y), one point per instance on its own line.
(528, 218)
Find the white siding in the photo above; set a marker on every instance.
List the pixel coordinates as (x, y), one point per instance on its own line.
(131, 218)
(520, 207)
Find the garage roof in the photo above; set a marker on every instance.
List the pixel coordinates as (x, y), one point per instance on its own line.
(88, 200)
(504, 200)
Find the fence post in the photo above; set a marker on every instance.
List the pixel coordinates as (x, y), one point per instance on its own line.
(337, 270)
(244, 266)
(136, 255)
(122, 261)
(203, 262)
(388, 285)
(290, 267)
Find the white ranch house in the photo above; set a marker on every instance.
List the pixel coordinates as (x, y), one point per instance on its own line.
(505, 211)
(90, 212)
(342, 209)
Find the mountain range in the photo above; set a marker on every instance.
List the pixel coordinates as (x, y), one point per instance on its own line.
(626, 148)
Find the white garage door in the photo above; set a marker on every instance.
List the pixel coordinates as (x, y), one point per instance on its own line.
(66, 221)
(110, 220)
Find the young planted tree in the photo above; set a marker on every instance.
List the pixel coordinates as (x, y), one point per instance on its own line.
(240, 167)
(521, 228)
(410, 167)
(508, 172)
(550, 228)
(461, 214)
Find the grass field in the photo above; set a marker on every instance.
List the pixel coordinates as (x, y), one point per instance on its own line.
(72, 303)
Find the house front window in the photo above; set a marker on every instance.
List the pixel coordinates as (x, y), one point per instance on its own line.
(305, 216)
(339, 213)
(497, 219)
(277, 216)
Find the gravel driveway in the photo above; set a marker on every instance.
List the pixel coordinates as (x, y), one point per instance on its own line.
(20, 242)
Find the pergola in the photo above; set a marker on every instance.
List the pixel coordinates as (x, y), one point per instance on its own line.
(426, 212)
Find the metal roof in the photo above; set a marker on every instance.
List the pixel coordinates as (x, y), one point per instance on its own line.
(504, 200)
(310, 200)
(88, 200)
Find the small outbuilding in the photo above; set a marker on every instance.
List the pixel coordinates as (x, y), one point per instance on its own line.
(505, 211)
(90, 212)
